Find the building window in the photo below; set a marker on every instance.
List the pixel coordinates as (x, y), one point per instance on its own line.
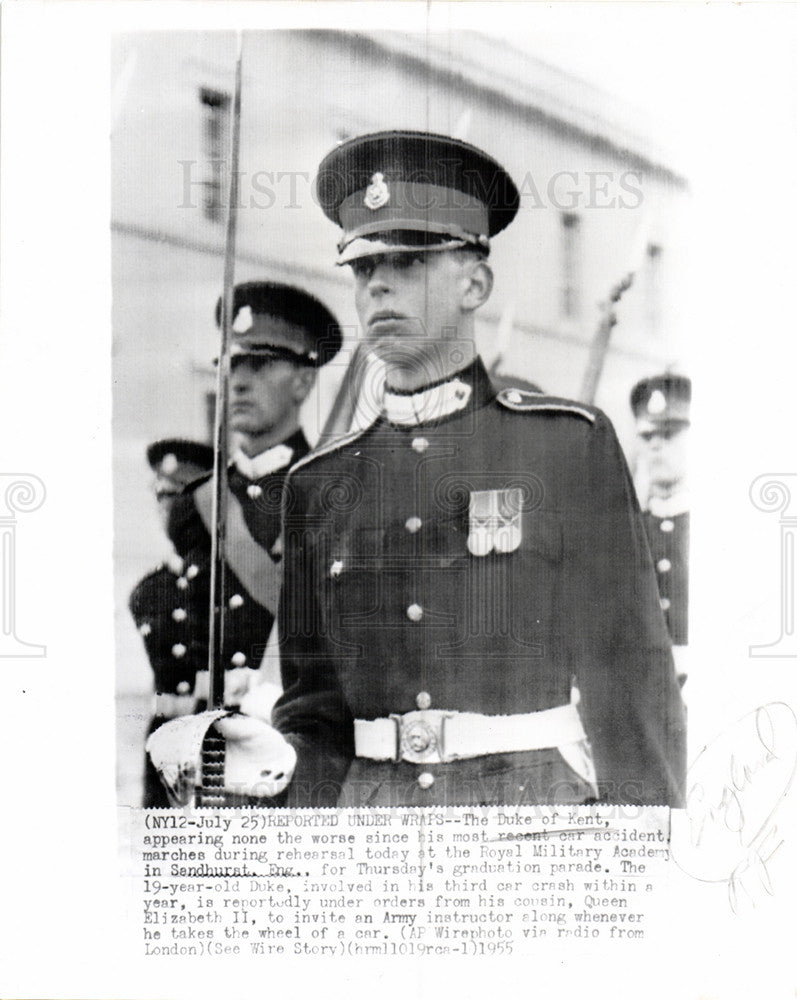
(215, 150)
(652, 279)
(570, 298)
(210, 414)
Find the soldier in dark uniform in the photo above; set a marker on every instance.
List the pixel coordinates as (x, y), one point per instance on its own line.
(456, 571)
(280, 336)
(661, 407)
(158, 603)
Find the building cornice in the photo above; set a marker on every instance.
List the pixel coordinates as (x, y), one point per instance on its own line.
(519, 83)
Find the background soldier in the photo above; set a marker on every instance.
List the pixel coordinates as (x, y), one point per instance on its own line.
(661, 407)
(280, 335)
(453, 569)
(158, 603)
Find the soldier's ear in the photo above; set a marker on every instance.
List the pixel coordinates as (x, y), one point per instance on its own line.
(303, 382)
(479, 284)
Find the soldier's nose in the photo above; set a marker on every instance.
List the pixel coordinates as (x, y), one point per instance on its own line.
(379, 283)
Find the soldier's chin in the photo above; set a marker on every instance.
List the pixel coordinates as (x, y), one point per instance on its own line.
(383, 337)
(244, 424)
(399, 351)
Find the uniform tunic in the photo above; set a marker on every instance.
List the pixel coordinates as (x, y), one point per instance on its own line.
(247, 622)
(669, 545)
(157, 604)
(171, 610)
(386, 609)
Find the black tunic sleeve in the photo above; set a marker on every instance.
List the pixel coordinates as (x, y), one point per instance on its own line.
(630, 699)
(311, 712)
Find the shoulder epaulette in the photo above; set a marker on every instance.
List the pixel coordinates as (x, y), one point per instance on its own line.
(328, 448)
(523, 401)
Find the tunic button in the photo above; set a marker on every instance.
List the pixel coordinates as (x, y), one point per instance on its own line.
(425, 780)
(192, 571)
(238, 659)
(182, 583)
(415, 612)
(179, 614)
(420, 445)
(664, 565)
(236, 601)
(145, 629)
(666, 526)
(183, 687)
(665, 603)
(178, 650)
(254, 491)
(423, 700)
(336, 569)
(413, 524)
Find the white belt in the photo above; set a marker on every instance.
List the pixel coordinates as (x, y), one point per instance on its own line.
(436, 736)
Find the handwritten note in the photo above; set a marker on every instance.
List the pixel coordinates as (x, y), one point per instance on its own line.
(733, 792)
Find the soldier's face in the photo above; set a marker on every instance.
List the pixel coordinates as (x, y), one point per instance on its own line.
(264, 392)
(665, 454)
(165, 504)
(167, 487)
(409, 301)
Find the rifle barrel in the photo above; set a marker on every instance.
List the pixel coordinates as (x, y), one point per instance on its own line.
(216, 667)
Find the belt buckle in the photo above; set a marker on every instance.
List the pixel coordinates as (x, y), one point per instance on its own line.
(420, 736)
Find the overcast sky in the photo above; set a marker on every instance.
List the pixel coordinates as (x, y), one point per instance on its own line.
(706, 76)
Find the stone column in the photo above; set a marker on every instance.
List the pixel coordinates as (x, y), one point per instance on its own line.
(772, 492)
(20, 492)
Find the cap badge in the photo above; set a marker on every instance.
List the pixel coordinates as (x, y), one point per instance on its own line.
(376, 194)
(169, 464)
(243, 320)
(657, 403)
(494, 521)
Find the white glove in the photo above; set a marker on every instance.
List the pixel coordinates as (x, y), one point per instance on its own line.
(258, 701)
(257, 761)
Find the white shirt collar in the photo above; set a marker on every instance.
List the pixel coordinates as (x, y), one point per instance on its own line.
(266, 462)
(672, 506)
(427, 405)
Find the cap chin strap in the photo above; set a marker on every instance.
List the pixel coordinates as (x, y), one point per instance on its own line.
(354, 246)
(376, 248)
